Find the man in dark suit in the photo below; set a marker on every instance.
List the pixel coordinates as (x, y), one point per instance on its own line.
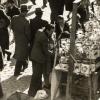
(21, 30)
(57, 7)
(37, 23)
(40, 59)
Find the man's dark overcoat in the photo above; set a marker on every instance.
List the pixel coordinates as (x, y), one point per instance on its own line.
(39, 51)
(4, 35)
(57, 7)
(35, 24)
(21, 30)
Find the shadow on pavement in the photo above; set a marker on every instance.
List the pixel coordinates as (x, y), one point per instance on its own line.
(14, 83)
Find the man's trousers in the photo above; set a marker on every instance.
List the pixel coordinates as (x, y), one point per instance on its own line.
(20, 66)
(36, 80)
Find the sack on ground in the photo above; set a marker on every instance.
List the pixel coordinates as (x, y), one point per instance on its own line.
(41, 94)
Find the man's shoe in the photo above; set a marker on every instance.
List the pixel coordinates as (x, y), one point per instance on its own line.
(17, 74)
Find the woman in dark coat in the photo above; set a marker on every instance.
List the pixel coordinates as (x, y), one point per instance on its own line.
(4, 35)
(57, 7)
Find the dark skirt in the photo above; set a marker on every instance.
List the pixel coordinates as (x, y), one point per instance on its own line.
(69, 5)
(4, 39)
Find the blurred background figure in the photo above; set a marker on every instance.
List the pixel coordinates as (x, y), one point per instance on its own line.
(44, 3)
(22, 2)
(34, 2)
(40, 60)
(4, 2)
(37, 23)
(57, 7)
(4, 35)
(60, 27)
(21, 31)
(11, 8)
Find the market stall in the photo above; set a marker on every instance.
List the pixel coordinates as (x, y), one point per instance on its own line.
(77, 58)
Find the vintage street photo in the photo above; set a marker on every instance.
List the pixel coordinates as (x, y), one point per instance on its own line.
(49, 49)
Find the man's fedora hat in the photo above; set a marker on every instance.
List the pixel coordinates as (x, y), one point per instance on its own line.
(38, 10)
(24, 8)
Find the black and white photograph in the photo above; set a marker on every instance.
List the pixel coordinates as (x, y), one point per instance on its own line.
(49, 49)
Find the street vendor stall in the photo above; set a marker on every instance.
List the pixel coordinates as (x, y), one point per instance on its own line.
(76, 58)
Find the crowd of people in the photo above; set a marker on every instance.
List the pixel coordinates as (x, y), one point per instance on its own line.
(33, 37)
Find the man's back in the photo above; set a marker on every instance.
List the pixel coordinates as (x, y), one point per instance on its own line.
(40, 47)
(20, 27)
(18, 23)
(37, 23)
